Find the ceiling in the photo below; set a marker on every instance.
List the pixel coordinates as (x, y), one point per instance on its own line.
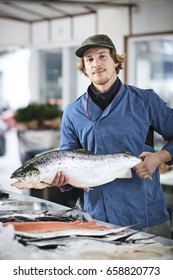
(33, 11)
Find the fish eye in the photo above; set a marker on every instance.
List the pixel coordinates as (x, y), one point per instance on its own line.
(22, 174)
(33, 172)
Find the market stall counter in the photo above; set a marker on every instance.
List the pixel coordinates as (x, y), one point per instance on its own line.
(33, 228)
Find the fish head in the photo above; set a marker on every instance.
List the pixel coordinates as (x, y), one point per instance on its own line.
(27, 177)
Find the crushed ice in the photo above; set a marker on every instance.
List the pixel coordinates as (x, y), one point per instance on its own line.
(11, 249)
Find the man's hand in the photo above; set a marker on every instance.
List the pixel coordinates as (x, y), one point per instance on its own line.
(150, 162)
(60, 180)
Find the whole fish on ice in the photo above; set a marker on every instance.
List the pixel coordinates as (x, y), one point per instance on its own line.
(84, 170)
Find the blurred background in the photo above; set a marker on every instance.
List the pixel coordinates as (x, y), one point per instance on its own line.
(38, 75)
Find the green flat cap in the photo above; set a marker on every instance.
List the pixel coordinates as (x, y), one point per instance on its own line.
(100, 40)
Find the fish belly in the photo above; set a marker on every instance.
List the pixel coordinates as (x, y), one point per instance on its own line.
(89, 175)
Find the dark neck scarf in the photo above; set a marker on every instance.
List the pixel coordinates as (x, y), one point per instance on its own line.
(104, 99)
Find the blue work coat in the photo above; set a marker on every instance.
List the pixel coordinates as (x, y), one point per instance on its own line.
(122, 126)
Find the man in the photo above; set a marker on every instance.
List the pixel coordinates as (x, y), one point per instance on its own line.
(112, 117)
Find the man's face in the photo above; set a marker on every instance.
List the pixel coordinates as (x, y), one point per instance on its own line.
(100, 66)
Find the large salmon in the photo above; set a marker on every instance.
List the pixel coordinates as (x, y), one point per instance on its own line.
(84, 170)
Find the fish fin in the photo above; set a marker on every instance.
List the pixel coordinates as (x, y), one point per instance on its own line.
(46, 184)
(126, 174)
(127, 152)
(83, 151)
(87, 189)
(40, 185)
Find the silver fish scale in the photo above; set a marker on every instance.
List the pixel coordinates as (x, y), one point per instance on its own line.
(83, 170)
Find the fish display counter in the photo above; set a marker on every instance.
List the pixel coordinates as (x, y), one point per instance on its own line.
(166, 179)
(34, 228)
